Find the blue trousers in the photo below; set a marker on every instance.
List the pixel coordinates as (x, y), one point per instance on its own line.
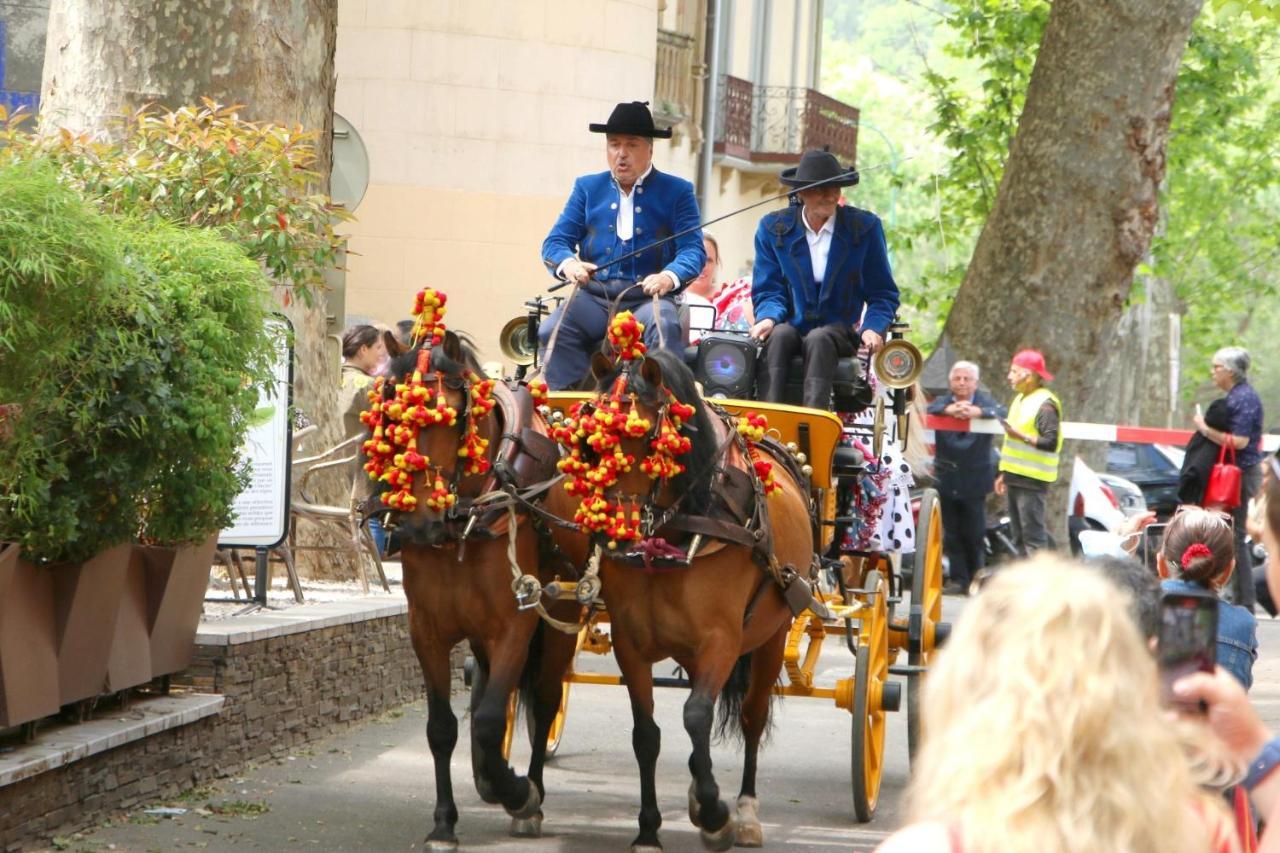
(583, 330)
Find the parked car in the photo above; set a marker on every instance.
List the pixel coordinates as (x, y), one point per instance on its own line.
(1099, 502)
(1154, 468)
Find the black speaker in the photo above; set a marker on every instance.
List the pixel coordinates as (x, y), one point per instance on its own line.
(726, 365)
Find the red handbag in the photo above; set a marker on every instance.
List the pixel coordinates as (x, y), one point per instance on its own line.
(1223, 490)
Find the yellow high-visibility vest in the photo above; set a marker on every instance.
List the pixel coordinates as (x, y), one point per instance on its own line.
(1016, 457)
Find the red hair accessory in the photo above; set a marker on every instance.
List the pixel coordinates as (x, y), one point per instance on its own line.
(1195, 552)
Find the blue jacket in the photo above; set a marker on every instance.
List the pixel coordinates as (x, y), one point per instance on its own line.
(965, 464)
(664, 205)
(783, 288)
(1237, 633)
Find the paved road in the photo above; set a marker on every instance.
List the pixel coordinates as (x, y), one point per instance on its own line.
(371, 790)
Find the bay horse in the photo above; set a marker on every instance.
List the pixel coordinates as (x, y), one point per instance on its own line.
(458, 573)
(722, 617)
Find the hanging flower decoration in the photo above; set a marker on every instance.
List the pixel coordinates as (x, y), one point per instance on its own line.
(395, 422)
(593, 434)
(752, 426)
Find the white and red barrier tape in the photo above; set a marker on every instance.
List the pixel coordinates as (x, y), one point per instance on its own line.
(1088, 432)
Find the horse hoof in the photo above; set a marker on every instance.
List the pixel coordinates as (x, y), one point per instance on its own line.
(527, 827)
(693, 806)
(646, 848)
(485, 789)
(750, 833)
(721, 839)
(432, 844)
(532, 806)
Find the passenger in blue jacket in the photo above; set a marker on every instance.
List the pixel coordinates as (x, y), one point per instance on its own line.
(818, 265)
(611, 214)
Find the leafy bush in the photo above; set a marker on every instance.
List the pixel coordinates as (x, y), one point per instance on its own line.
(133, 350)
(206, 166)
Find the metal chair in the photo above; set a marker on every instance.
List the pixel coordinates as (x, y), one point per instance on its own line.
(351, 525)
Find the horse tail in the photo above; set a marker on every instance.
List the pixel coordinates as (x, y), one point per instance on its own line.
(729, 705)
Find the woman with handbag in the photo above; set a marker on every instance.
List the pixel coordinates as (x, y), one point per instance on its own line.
(1243, 439)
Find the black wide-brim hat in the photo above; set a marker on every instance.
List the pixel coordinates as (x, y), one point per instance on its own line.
(819, 166)
(633, 119)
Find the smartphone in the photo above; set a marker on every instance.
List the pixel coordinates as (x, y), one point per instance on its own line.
(1149, 545)
(1188, 640)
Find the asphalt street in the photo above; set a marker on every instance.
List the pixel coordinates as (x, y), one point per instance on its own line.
(371, 789)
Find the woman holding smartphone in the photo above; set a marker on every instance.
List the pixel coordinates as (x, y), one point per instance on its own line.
(1198, 554)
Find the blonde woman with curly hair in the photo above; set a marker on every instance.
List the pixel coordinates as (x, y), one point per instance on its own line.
(1044, 732)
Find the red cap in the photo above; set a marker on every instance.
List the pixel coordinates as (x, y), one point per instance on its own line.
(1032, 360)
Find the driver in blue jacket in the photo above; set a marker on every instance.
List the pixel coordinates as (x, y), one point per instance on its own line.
(818, 265)
(611, 214)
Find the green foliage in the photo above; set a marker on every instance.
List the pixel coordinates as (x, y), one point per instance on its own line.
(1218, 244)
(205, 166)
(132, 350)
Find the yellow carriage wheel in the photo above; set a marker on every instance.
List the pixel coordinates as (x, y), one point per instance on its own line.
(872, 697)
(925, 626)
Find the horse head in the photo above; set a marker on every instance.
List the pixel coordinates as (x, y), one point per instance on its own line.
(433, 436)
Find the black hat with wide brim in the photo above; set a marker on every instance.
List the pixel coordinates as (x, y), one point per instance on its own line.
(633, 119)
(819, 167)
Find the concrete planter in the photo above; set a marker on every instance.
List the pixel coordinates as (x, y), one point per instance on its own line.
(28, 649)
(86, 602)
(176, 582)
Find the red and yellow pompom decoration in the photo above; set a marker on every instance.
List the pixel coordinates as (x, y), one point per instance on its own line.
(428, 308)
(539, 391)
(395, 422)
(752, 426)
(593, 433)
(626, 336)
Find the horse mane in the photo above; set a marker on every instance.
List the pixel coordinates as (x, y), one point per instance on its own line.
(678, 378)
(403, 365)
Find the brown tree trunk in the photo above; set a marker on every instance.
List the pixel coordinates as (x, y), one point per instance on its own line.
(105, 58)
(1077, 205)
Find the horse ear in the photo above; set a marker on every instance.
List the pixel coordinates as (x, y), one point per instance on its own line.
(601, 365)
(651, 373)
(453, 347)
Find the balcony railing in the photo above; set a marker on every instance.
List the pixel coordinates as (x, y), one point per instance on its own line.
(775, 124)
(674, 83)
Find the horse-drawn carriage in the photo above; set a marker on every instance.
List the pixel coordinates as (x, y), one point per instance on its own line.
(709, 533)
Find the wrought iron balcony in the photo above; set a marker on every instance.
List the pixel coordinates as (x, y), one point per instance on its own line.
(775, 124)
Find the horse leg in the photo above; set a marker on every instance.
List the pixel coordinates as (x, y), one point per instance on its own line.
(489, 725)
(713, 816)
(646, 742)
(479, 684)
(766, 661)
(442, 736)
(557, 653)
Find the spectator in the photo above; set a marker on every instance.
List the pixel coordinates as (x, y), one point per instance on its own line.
(364, 354)
(1229, 713)
(1142, 587)
(1043, 730)
(1197, 554)
(1029, 455)
(1230, 368)
(966, 474)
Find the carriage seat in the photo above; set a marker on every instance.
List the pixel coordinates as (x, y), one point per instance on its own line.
(849, 385)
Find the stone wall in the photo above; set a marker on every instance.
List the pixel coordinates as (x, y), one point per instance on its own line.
(281, 692)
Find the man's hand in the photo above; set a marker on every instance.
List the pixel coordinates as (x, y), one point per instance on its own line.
(1000, 489)
(963, 410)
(1231, 717)
(760, 331)
(1131, 528)
(576, 271)
(872, 341)
(658, 283)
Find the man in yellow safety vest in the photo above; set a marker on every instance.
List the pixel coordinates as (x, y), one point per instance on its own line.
(1029, 455)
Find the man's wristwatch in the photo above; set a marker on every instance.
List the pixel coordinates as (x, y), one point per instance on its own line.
(1262, 766)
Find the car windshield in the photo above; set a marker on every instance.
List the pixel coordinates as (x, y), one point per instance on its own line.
(1175, 455)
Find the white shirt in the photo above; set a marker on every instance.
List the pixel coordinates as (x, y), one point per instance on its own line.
(819, 244)
(627, 207)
